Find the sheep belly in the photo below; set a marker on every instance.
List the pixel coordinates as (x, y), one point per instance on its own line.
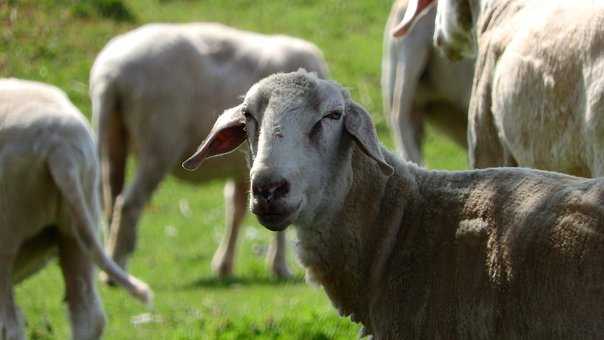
(35, 253)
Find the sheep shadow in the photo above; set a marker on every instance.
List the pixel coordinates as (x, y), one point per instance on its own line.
(238, 281)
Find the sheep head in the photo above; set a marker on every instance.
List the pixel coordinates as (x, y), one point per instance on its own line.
(301, 131)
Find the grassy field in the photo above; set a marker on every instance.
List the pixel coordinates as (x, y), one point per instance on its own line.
(56, 42)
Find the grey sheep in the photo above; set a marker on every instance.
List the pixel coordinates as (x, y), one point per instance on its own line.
(156, 91)
(538, 89)
(50, 203)
(504, 253)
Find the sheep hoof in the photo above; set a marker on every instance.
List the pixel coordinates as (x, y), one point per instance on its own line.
(223, 269)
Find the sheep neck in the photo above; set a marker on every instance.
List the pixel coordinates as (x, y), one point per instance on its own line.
(347, 252)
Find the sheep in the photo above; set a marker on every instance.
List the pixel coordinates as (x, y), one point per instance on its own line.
(50, 203)
(501, 253)
(536, 98)
(420, 84)
(156, 91)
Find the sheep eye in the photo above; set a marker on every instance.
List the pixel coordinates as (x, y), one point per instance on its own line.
(335, 115)
(316, 130)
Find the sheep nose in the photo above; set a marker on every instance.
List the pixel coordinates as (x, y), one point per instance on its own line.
(270, 190)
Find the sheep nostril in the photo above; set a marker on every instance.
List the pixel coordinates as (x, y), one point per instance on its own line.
(281, 189)
(261, 192)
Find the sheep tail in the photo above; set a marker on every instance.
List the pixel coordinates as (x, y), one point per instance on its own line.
(65, 173)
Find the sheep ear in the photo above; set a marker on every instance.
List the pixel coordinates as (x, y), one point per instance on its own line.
(358, 123)
(415, 10)
(226, 135)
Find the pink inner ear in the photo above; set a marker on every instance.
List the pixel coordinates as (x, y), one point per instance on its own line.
(226, 140)
(415, 10)
(219, 142)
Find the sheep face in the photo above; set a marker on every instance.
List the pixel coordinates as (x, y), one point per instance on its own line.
(294, 127)
(300, 131)
(453, 29)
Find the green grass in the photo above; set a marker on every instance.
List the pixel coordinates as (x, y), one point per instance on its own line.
(52, 41)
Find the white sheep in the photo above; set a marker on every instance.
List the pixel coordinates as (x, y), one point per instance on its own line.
(50, 203)
(504, 253)
(538, 88)
(156, 91)
(420, 84)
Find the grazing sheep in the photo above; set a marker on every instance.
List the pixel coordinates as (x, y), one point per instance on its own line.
(538, 93)
(420, 84)
(49, 203)
(506, 253)
(157, 91)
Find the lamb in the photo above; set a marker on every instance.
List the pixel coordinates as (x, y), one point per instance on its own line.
(537, 96)
(420, 84)
(50, 203)
(157, 91)
(503, 253)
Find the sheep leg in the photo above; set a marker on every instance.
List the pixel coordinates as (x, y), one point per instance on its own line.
(85, 310)
(276, 256)
(407, 126)
(11, 321)
(596, 168)
(235, 208)
(403, 64)
(485, 149)
(129, 206)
